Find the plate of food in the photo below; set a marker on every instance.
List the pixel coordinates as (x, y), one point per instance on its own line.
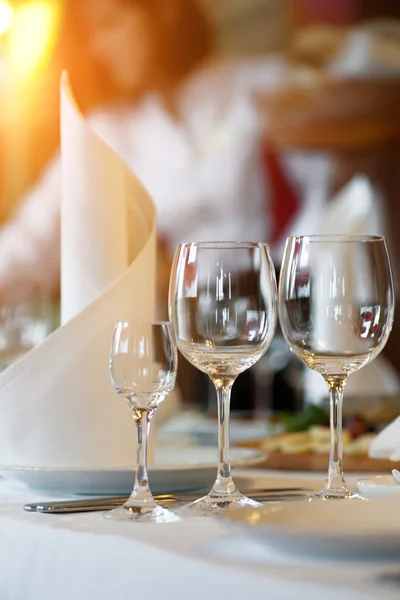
(304, 442)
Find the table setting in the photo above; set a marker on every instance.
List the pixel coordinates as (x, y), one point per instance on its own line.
(90, 509)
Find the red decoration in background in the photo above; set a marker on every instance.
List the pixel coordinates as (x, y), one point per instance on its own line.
(284, 199)
(336, 12)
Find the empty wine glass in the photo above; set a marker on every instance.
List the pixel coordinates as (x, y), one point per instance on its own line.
(24, 324)
(223, 306)
(336, 309)
(143, 364)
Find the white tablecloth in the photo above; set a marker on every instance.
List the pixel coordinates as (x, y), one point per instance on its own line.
(85, 557)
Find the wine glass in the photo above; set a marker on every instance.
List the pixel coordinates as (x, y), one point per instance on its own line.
(223, 306)
(24, 324)
(143, 364)
(336, 309)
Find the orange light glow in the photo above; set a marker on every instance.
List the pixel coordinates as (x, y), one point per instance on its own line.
(6, 15)
(31, 37)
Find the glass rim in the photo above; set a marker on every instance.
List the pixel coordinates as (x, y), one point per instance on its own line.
(338, 237)
(214, 245)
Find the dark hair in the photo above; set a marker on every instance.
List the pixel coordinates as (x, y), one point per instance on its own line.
(182, 43)
(186, 41)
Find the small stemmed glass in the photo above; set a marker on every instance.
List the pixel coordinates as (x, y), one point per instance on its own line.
(143, 365)
(336, 309)
(223, 306)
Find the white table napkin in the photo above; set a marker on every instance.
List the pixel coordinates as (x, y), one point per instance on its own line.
(387, 443)
(371, 50)
(58, 408)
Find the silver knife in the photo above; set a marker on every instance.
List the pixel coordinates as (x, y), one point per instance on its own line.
(107, 503)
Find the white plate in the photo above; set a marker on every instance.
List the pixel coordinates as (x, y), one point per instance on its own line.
(382, 486)
(175, 469)
(338, 529)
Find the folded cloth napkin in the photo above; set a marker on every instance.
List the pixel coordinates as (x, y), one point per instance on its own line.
(58, 408)
(387, 442)
(372, 50)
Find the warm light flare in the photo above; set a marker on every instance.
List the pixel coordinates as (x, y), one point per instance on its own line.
(6, 16)
(31, 37)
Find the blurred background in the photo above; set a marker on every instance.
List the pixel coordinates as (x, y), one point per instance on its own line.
(341, 97)
(35, 44)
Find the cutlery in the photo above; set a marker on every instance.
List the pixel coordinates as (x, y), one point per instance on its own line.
(107, 503)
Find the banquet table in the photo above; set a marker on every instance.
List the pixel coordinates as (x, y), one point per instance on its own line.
(84, 556)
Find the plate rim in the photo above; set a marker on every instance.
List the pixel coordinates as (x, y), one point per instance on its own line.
(286, 531)
(370, 482)
(255, 457)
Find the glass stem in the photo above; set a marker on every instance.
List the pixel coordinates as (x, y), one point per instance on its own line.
(336, 484)
(141, 492)
(223, 485)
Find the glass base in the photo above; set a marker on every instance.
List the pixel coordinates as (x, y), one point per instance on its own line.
(214, 504)
(340, 494)
(142, 514)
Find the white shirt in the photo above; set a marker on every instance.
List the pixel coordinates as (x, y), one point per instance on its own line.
(203, 172)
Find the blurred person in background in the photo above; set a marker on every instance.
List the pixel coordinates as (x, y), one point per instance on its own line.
(184, 120)
(185, 128)
(189, 125)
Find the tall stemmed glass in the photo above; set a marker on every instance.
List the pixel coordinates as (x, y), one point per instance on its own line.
(336, 309)
(223, 306)
(143, 364)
